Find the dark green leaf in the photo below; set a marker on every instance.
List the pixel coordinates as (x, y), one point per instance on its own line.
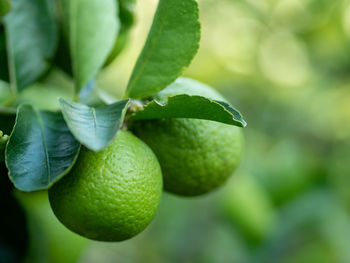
(5, 6)
(41, 149)
(171, 45)
(94, 127)
(191, 106)
(92, 28)
(31, 34)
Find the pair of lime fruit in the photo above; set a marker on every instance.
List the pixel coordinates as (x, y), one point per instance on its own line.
(112, 195)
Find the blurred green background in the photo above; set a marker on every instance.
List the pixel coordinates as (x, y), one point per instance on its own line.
(286, 65)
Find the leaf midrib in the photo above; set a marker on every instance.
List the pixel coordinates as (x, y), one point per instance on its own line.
(151, 50)
(41, 125)
(93, 113)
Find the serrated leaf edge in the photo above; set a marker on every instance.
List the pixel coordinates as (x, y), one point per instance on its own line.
(217, 102)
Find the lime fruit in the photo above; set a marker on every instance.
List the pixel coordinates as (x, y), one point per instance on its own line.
(110, 195)
(196, 156)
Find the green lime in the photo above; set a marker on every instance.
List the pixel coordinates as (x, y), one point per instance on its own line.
(196, 156)
(111, 195)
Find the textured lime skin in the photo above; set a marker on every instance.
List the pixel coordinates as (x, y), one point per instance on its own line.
(196, 156)
(111, 195)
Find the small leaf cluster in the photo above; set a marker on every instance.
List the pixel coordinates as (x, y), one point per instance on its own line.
(80, 37)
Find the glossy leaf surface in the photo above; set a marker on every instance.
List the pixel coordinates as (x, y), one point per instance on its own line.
(94, 127)
(41, 149)
(171, 45)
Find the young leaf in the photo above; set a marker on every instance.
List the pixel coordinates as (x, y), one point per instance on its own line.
(92, 28)
(171, 45)
(31, 35)
(191, 106)
(41, 149)
(94, 127)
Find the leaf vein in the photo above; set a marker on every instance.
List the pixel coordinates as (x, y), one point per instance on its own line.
(47, 159)
(153, 45)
